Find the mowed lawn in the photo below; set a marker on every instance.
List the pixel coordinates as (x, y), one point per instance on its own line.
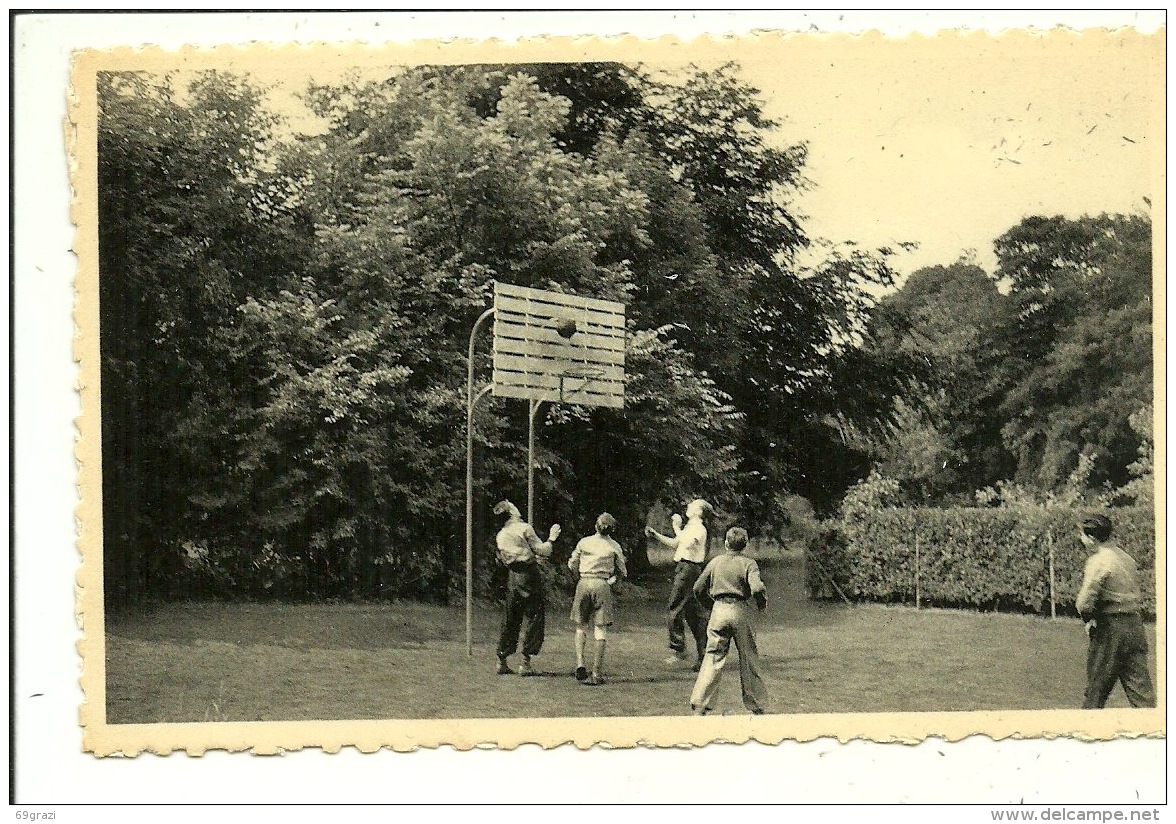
(279, 662)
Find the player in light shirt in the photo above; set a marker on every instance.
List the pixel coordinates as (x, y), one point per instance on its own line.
(683, 610)
(599, 562)
(519, 550)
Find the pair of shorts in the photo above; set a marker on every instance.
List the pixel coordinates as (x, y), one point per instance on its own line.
(593, 602)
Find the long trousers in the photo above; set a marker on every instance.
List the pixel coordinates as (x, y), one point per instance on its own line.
(683, 610)
(526, 611)
(1118, 652)
(730, 622)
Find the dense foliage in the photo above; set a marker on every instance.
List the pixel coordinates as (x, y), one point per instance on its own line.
(285, 317)
(1040, 375)
(190, 224)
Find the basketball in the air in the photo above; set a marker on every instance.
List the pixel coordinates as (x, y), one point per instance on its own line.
(566, 328)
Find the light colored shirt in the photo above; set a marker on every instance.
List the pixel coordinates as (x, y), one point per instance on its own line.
(518, 543)
(691, 542)
(598, 556)
(1110, 584)
(731, 573)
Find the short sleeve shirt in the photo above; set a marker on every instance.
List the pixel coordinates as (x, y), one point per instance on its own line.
(518, 543)
(598, 556)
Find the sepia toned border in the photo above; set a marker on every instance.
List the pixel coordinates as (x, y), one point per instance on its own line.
(102, 739)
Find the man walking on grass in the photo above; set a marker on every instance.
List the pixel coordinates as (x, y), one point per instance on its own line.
(683, 610)
(1110, 602)
(519, 550)
(599, 561)
(731, 581)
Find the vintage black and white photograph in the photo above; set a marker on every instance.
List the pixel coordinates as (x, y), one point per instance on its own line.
(802, 385)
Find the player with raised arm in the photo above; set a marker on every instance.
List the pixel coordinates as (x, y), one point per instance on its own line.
(519, 550)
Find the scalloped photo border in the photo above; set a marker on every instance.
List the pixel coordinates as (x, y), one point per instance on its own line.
(103, 739)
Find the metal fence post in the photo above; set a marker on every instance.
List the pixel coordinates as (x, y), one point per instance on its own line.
(1053, 600)
(918, 586)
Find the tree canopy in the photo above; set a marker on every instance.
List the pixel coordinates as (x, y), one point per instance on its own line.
(1036, 383)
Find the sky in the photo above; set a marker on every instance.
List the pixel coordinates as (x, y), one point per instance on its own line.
(944, 141)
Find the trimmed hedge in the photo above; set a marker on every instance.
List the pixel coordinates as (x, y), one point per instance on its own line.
(973, 558)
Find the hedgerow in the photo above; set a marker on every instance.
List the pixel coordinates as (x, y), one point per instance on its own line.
(970, 557)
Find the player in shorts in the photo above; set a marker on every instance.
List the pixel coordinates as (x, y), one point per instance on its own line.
(599, 561)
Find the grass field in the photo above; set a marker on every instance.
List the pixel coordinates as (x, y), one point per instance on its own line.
(278, 662)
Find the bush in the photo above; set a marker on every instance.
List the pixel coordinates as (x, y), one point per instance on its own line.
(972, 558)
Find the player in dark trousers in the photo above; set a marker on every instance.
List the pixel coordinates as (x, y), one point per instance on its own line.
(732, 582)
(1110, 602)
(519, 550)
(683, 610)
(599, 562)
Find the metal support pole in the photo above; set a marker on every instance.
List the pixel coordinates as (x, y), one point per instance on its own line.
(918, 571)
(533, 412)
(470, 401)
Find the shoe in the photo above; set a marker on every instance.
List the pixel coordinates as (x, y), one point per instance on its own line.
(581, 674)
(675, 658)
(503, 668)
(698, 710)
(594, 680)
(526, 669)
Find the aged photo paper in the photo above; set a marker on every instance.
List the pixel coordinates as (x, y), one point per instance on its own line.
(119, 721)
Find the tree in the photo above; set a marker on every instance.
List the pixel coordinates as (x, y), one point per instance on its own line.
(764, 311)
(189, 221)
(922, 352)
(1034, 389)
(1140, 489)
(416, 236)
(713, 261)
(1077, 354)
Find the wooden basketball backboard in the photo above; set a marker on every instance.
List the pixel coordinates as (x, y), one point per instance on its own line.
(534, 361)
